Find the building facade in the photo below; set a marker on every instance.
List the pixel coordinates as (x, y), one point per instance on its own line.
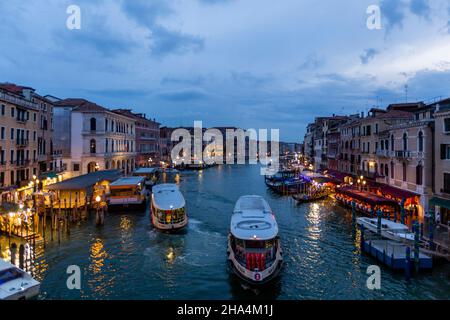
(147, 138)
(90, 138)
(441, 200)
(25, 138)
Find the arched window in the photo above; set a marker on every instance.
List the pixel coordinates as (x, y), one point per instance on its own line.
(419, 174)
(93, 124)
(420, 141)
(405, 142)
(93, 146)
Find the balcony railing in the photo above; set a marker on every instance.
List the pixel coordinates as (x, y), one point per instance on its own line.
(21, 163)
(383, 153)
(403, 154)
(18, 101)
(22, 142)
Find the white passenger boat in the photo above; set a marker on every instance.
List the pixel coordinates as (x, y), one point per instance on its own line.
(16, 284)
(149, 174)
(168, 208)
(389, 229)
(128, 193)
(254, 249)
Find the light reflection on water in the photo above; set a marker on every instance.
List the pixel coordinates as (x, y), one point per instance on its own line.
(128, 259)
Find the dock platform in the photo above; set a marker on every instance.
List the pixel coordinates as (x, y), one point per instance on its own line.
(393, 254)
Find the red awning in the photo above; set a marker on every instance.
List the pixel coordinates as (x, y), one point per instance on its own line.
(366, 197)
(394, 192)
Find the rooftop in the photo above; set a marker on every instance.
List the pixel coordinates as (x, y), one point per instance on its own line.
(86, 181)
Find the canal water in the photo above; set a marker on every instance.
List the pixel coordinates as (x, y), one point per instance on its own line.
(128, 259)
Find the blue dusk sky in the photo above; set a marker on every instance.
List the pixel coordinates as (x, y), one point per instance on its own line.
(247, 63)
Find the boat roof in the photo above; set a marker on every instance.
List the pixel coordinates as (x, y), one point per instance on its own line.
(128, 181)
(167, 197)
(386, 223)
(145, 171)
(253, 219)
(4, 265)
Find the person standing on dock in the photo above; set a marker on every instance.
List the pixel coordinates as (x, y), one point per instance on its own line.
(438, 219)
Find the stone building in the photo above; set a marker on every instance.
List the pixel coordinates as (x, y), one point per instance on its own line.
(147, 138)
(92, 138)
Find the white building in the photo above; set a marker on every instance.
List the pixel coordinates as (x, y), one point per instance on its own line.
(92, 138)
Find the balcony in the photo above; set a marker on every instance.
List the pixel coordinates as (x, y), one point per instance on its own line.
(21, 163)
(21, 143)
(21, 120)
(403, 154)
(383, 153)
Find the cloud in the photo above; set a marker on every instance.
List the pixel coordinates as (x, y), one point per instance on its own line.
(184, 95)
(174, 42)
(312, 62)
(394, 12)
(368, 55)
(164, 40)
(420, 8)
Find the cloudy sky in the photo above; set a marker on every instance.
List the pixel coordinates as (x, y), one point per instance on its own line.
(246, 63)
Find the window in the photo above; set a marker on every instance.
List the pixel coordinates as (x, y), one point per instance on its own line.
(12, 112)
(445, 151)
(446, 182)
(447, 125)
(2, 134)
(12, 133)
(392, 142)
(386, 170)
(106, 125)
(392, 170)
(3, 110)
(419, 175)
(405, 142)
(76, 167)
(404, 171)
(93, 124)
(420, 141)
(93, 146)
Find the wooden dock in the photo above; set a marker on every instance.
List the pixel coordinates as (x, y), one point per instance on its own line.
(394, 254)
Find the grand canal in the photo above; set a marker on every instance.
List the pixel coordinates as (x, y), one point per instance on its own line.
(128, 259)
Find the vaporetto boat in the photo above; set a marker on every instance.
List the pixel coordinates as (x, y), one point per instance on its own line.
(168, 208)
(128, 193)
(254, 248)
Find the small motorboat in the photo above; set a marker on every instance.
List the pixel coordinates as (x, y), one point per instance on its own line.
(16, 284)
(389, 229)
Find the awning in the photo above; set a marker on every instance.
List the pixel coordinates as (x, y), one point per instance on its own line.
(366, 197)
(86, 181)
(440, 202)
(394, 192)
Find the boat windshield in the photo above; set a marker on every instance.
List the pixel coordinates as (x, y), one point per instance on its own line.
(10, 275)
(171, 216)
(251, 253)
(125, 191)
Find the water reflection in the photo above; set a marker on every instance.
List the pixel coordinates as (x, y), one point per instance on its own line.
(97, 257)
(129, 259)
